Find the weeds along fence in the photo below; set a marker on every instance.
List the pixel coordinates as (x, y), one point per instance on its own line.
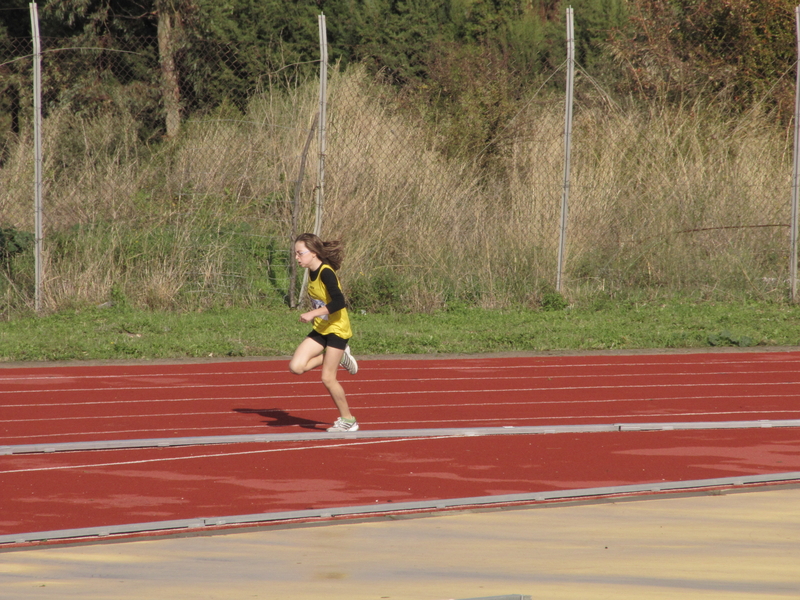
(183, 194)
(195, 218)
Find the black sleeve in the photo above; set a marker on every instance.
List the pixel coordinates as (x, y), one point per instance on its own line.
(332, 284)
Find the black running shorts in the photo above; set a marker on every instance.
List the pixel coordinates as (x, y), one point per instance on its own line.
(332, 340)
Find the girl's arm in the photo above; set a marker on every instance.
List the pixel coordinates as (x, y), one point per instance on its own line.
(313, 314)
(331, 282)
(337, 302)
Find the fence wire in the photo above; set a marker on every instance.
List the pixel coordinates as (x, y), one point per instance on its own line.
(665, 198)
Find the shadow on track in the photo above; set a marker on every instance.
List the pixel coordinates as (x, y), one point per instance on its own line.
(278, 417)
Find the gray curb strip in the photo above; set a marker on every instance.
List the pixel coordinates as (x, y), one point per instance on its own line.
(379, 510)
(387, 434)
(386, 509)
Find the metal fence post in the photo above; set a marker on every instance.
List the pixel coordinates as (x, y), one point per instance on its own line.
(323, 94)
(37, 136)
(296, 216)
(567, 144)
(323, 126)
(795, 175)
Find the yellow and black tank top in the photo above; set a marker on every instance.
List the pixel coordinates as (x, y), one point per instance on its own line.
(338, 322)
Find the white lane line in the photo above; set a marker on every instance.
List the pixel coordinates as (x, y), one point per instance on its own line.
(648, 402)
(220, 455)
(449, 422)
(435, 406)
(322, 396)
(254, 429)
(761, 358)
(174, 374)
(458, 422)
(405, 435)
(407, 381)
(158, 387)
(158, 400)
(306, 381)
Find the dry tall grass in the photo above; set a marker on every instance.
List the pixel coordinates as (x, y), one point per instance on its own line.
(662, 199)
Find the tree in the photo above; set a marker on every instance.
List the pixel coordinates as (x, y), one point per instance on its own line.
(734, 49)
(15, 33)
(170, 15)
(107, 23)
(14, 19)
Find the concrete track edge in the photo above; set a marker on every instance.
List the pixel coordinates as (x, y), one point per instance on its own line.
(387, 434)
(386, 510)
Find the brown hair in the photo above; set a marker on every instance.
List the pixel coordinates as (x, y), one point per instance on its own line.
(328, 252)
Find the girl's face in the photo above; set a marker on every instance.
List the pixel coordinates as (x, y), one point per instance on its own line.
(305, 257)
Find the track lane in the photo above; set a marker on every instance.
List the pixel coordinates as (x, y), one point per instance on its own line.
(101, 488)
(250, 397)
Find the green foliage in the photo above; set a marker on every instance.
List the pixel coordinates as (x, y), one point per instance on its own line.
(118, 298)
(470, 61)
(726, 338)
(552, 300)
(218, 264)
(15, 19)
(755, 37)
(684, 48)
(390, 35)
(473, 96)
(596, 21)
(532, 42)
(93, 20)
(13, 242)
(379, 292)
(234, 48)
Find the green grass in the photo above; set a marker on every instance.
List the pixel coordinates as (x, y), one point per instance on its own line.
(126, 333)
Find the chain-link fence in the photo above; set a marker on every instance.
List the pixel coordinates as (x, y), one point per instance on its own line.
(134, 213)
(664, 199)
(179, 184)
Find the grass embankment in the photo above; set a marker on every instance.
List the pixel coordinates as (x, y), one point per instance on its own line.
(126, 333)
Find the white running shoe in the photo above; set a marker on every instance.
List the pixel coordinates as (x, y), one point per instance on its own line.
(342, 426)
(349, 361)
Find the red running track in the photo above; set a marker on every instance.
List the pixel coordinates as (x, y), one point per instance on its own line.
(70, 404)
(94, 489)
(44, 492)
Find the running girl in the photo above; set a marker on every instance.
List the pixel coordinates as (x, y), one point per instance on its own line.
(326, 345)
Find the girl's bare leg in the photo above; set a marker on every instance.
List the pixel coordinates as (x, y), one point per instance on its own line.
(330, 365)
(307, 356)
